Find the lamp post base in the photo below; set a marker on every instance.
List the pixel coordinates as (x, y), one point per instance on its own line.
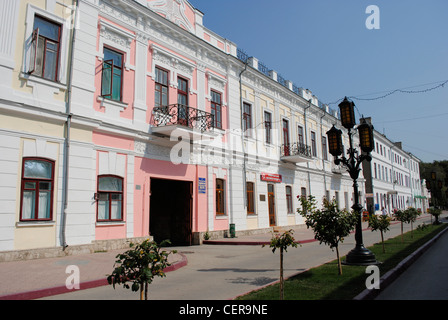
(360, 256)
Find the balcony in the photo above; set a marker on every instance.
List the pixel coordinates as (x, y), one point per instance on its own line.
(296, 152)
(184, 119)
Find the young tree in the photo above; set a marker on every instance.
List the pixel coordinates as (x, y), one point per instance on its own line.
(380, 223)
(282, 242)
(140, 265)
(330, 225)
(407, 216)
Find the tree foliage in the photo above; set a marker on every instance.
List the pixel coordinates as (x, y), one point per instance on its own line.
(330, 225)
(139, 265)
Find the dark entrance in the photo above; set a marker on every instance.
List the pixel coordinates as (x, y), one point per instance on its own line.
(170, 212)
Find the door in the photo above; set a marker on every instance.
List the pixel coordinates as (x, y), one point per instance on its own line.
(182, 100)
(271, 205)
(171, 207)
(286, 138)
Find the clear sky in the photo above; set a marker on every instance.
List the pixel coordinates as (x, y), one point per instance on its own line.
(325, 46)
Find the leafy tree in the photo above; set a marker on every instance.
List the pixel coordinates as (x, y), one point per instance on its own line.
(407, 216)
(330, 225)
(380, 223)
(140, 265)
(282, 242)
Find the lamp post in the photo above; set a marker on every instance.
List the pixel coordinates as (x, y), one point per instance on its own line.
(359, 255)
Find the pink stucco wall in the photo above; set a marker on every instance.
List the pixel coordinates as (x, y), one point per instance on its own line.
(128, 82)
(145, 169)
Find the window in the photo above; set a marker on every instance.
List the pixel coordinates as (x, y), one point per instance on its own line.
(110, 198)
(216, 109)
(303, 192)
(268, 126)
(247, 119)
(289, 199)
(161, 91)
(250, 198)
(37, 189)
(112, 75)
(220, 197)
(313, 143)
(324, 148)
(45, 48)
(300, 134)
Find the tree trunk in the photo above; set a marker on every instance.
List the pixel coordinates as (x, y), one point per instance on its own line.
(281, 274)
(401, 231)
(339, 261)
(141, 292)
(146, 291)
(382, 241)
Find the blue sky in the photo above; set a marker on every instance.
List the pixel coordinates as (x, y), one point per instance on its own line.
(324, 46)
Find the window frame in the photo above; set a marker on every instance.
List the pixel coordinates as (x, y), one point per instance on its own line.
(121, 68)
(268, 126)
(289, 205)
(300, 137)
(250, 198)
(324, 148)
(109, 198)
(247, 119)
(37, 188)
(313, 144)
(159, 86)
(216, 108)
(220, 201)
(35, 37)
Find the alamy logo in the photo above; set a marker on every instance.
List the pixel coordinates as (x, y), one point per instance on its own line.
(373, 20)
(72, 281)
(373, 281)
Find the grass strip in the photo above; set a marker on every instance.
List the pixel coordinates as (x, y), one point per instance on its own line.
(324, 283)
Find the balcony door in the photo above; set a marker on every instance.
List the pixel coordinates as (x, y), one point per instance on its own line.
(182, 101)
(285, 126)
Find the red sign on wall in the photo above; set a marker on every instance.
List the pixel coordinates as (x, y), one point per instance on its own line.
(271, 177)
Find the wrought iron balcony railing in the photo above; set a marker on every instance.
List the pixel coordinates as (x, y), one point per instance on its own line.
(178, 114)
(296, 149)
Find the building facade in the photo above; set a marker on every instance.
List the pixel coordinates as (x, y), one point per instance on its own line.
(394, 181)
(130, 119)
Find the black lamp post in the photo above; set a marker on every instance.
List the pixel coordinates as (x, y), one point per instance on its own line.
(359, 255)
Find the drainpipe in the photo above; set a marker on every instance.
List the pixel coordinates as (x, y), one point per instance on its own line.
(67, 132)
(306, 140)
(242, 134)
(323, 161)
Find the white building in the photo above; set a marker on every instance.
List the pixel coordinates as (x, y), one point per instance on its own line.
(394, 182)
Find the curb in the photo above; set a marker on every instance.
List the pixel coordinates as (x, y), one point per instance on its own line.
(36, 294)
(388, 278)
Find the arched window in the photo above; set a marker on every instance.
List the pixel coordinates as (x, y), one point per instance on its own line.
(110, 198)
(37, 190)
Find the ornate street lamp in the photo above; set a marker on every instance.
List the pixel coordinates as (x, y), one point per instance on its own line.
(359, 255)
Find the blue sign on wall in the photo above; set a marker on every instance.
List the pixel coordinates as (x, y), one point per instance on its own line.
(201, 185)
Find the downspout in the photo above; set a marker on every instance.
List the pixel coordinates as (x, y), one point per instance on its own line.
(306, 142)
(323, 161)
(67, 130)
(242, 135)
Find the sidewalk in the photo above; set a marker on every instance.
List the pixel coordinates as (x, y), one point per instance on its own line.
(32, 279)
